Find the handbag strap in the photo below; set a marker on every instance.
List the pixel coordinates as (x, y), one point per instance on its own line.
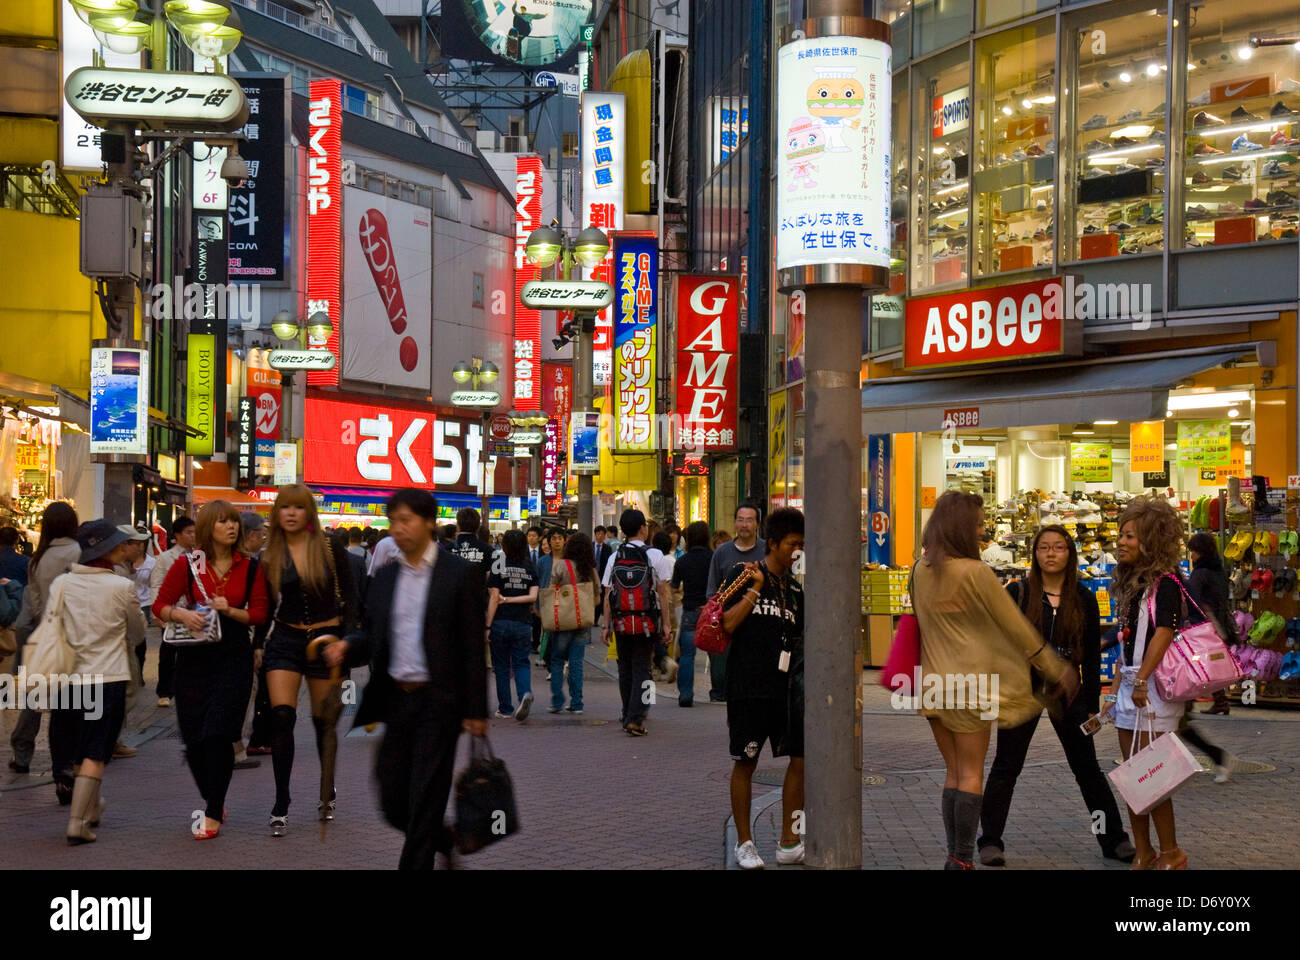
(1137, 732)
(197, 579)
(577, 600)
(730, 590)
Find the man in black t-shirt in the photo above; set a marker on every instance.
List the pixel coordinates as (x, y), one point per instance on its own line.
(765, 697)
(468, 546)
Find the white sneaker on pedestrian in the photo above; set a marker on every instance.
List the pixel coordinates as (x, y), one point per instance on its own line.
(1223, 771)
(747, 856)
(525, 703)
(788, 855)
(164, 701)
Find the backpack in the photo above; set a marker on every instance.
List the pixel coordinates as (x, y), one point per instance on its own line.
(633, 602)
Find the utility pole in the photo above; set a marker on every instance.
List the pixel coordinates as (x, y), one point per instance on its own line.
(834, 292)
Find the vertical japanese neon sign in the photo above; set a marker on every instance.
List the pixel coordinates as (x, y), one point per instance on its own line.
(324, 217)
(526, 364)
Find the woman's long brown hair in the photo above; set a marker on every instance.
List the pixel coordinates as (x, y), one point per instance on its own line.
(212, 514)
(952, 530)
(1160, 547)
(276, 556)
(1069, 614)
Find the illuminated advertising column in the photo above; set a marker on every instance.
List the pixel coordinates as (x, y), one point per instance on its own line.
(526, 367)
(604, 147)
(324, 216)
(636, 314)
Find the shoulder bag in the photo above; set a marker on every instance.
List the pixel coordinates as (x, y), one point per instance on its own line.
(47, 651)
(485, 800)
(1198, 661)
(709, 633)
(178, 634)
(904, 660)
(569, 606)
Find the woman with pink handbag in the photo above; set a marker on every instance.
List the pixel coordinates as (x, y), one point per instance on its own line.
(1149, 605)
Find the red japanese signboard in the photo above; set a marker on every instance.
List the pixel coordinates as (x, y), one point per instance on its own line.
(526, 367)
(557, 390)
(551, 465)
(984, 326)
(707, 375)
(324, 216)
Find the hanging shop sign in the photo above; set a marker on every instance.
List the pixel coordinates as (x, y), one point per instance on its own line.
(707, 363)
(119, 400)
(880, 460)
(950, 113)
(551, 463)
(1159, 478)
(1146, 445)
(1090, 462)
(264, 388)
(690, 465)
(157, 99)
(557, 392)
(604, 148)
(1205, 443)
(371, 445)
(475, 398)
(310, 360)
(776, 447)
(566, 295)
(286, 463)
(526, 371)
(201, 371)
(526, 437)
(993, 325)
(833, 121)
(584, 442)
(258, 239)
(324, 220)
(636, 316)
(245, 449)
(1236, 466)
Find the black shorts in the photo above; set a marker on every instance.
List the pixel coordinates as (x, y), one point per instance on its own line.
(750, 723)
(93, 739)
(286, 649)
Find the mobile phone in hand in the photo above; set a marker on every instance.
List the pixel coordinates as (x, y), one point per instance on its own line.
(1090, 726)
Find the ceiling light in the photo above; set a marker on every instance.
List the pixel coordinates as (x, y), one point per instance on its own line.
(1084, 432)
(1208, 401)
(1027, 104)
(1126, 77)
(1008, 111)
(1047, 99)
(1153, 70)
(1171, 446)
(1234, 412)
(1104, 423)
(1168, 414)
(1297, 44)
(1244, 53)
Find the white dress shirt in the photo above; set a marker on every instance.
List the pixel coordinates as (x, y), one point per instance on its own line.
(386, 551)
(410, 597)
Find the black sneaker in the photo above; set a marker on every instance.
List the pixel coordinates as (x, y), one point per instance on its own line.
(991, 856)
(17, 767)
(685, 703)
(1200, 176)
(1280, 198)
(1280, 109)
(1231, 173)
(1242, 115)
(1204, 119)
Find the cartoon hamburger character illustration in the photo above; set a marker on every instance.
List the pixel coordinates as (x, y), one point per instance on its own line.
(803, 142)
(836, 97)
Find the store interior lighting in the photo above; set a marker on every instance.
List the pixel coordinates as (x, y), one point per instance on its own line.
(1207, 401)
(1105, 423)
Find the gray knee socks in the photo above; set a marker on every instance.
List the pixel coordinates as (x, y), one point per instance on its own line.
(966, 824)
(949, 796)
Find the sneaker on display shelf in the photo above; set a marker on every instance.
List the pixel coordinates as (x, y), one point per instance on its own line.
(1244, 144)
(1204, 119)
(1134, 114)
(1242, 115)
(1200, 100)
(1095, 122)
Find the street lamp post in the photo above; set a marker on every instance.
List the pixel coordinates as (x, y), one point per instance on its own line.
(546, 246)
(290, 330)
(479, 371)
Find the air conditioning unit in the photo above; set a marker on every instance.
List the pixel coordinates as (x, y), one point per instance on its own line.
(486, 139)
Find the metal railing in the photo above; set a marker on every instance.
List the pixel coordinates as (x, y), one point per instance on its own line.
(442, 138)
(296, 20)
(380, 115)
(377, 54)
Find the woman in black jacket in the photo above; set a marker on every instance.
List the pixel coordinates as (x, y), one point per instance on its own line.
(1065, 613)
(1208, 584)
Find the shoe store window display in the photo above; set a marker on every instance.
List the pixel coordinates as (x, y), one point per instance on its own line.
(1242, 124)
(1149, 605)
(941, 167)
(1119, 137)
(1015, 169)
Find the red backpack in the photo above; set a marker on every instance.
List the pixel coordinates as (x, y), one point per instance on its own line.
(633, 602)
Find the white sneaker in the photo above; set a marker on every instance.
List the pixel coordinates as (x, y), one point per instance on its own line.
(747, 856)
(1223, 773)
(789, 855)
(525, 703)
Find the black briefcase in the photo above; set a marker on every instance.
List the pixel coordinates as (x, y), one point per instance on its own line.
(485, 800)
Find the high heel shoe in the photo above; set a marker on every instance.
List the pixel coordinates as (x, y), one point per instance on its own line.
(1144, 863)
(326, 810)
(279, 826)
(205, 834)
(1174, 859)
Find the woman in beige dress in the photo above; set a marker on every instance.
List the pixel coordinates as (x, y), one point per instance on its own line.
(976, 652)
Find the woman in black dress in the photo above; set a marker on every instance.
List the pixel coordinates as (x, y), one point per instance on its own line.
(314, 598)
(214, 680)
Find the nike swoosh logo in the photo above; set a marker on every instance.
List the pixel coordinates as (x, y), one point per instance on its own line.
(1230, 92)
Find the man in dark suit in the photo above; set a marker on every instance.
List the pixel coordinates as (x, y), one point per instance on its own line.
(423, 636)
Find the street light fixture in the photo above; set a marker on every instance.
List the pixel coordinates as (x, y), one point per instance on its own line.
(120, 33)
(88, 9)
(592, 247)
(286, 328)
(543, 246)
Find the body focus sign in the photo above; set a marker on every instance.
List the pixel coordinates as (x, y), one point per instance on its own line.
(833, 123)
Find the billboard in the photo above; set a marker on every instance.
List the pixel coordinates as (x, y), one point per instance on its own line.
(258, 238)
(201, 370)
(79, 139)
(708, 379)
(119, 400)
(387, 290)
(604, 151)
(833, 107)
(324, 216)
(514, 33)
(636, 315)
(526, 369)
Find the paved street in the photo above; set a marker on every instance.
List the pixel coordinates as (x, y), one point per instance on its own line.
(591, 797)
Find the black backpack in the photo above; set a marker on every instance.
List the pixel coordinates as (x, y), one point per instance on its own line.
(633, 601)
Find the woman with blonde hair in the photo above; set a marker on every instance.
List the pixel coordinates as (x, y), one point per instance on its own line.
(1149, 607)
(971, 628)
(313, 598)
(214, 680)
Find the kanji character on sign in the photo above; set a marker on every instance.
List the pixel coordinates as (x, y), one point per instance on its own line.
(605, 111)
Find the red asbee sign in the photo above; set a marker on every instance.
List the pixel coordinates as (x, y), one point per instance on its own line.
(708, 337)
(985, 326)
(324, 216)
(526, 370)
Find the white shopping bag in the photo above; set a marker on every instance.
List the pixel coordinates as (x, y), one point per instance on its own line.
(1153, 773)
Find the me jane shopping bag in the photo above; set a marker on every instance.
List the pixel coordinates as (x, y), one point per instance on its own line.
(1151, 775)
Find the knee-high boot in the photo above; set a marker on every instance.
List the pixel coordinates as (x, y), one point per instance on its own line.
(85, 806)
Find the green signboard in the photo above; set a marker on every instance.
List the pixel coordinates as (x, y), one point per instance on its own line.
(1205, 443)
(1090, 462)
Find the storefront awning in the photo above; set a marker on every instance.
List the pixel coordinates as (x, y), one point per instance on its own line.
(1122, 389)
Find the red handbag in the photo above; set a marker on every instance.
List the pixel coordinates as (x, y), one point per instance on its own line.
(904, 655)
(709, 635)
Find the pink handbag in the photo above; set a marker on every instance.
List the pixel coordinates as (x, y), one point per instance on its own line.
(1198, 661)
(1151, 775)
(904, 658)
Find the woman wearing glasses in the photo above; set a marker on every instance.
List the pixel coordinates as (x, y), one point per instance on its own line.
(1065, 613)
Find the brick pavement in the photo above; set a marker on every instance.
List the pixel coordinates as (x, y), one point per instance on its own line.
(591, 797)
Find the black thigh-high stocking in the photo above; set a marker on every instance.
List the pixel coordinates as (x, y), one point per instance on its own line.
(327, 746)
(282, 722)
